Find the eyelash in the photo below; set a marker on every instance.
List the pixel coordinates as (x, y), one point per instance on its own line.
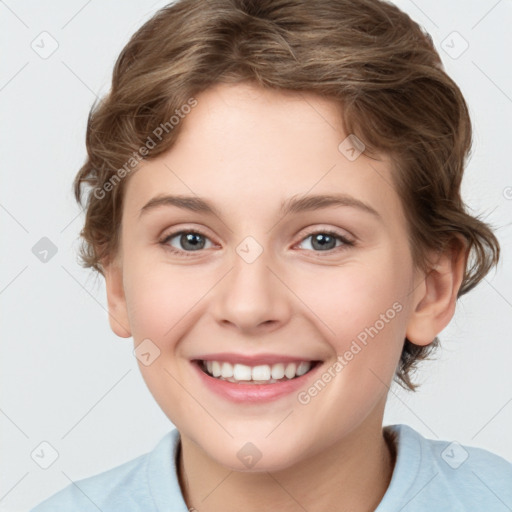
(346, 242)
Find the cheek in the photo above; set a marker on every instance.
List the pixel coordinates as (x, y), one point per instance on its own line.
(363, 308)
(357, 295)
(162, 299)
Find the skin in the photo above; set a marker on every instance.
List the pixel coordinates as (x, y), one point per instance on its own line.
(247, 149)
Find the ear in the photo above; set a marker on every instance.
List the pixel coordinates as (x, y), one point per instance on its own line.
(436, 296)
(117, 310)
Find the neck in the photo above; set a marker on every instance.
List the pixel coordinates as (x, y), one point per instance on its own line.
(353, 474)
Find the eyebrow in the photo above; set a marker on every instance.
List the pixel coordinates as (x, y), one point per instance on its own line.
(292, 205)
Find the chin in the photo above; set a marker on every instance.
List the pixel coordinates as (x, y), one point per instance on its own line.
(253, 457)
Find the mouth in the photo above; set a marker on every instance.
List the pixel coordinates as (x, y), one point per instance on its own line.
(238, 373)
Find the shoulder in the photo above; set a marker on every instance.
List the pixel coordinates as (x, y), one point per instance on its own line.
(148, 482)
(446, 475)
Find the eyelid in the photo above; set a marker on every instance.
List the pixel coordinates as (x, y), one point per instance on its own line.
(346, 236)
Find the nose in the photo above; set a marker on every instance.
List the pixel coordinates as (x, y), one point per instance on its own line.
(252, 298)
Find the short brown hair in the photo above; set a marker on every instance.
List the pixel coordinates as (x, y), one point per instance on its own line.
(367, 55)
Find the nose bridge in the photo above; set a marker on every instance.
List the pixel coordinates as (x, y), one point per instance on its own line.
(251, 295)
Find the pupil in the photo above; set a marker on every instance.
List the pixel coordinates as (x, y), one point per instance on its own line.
(192, 238)
(323, 240)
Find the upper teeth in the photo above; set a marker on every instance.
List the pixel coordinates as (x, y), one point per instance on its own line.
(263, 372)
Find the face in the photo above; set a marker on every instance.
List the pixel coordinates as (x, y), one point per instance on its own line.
(262, 280)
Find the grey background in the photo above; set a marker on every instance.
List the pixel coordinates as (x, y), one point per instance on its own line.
(68, 380)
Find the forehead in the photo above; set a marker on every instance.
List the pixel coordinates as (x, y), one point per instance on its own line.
(248, 147)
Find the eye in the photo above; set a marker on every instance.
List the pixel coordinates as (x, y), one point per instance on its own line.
(187, 241)
(325, 241)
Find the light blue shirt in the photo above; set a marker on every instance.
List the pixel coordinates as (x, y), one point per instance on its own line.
(429, 476)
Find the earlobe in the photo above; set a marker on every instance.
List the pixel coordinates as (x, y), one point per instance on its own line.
(436, 297)
(117, 309)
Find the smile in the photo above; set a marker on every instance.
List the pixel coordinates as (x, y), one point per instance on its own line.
(259, 374)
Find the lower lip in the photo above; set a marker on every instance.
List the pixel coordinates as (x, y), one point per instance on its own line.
(253, 392)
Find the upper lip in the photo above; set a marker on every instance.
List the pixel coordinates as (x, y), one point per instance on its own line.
(252, 360)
